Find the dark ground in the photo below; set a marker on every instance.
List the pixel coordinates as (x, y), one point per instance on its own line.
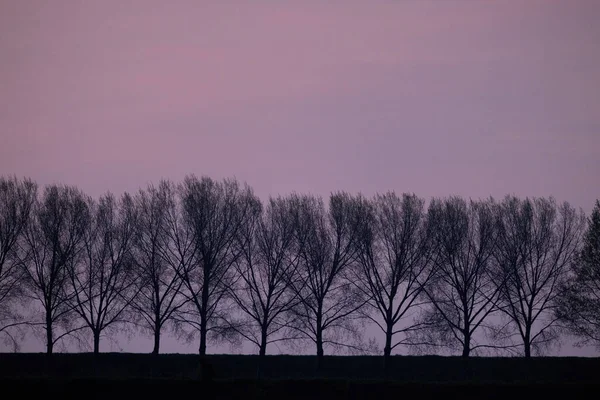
(118, 375)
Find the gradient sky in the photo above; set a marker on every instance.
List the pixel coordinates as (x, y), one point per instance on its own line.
(474, 98)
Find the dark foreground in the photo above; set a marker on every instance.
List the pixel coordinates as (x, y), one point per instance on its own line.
(114, 376)
(172, 389)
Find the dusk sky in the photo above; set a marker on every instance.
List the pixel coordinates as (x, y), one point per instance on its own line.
(475, 98)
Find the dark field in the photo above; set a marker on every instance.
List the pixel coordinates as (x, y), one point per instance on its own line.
(234, 376)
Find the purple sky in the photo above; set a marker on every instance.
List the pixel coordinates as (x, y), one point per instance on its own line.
(475, 98)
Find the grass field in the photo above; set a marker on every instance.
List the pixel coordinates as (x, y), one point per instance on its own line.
(116, 374)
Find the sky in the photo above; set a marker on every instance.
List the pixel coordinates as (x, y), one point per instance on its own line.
(471, 98)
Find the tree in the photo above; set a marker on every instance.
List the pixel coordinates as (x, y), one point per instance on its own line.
(53, 240)
(327, 241)
(103, 278)
(159, 248)
(395, 254)
(214, 212)
(579, 304)
(265, 270)
(17, 198)
(462, 290)
(537, 242)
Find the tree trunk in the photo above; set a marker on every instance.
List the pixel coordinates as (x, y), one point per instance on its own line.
(387, 350)
(96, 342)
(319, 349)
(527, 342)
(319, 341)
(203, 331)
(466, 346)
(465, 354)
(156, 340)
(263, 342)
(202, 348)
(263, 346)
(49, 333)
(203, 312)
(466, 350)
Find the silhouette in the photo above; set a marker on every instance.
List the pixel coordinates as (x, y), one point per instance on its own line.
(462, 291)
(17, 198)
(579, 301)
(53, 239)
(214, 213)
(102, 277)
(158, 248)
(395, 252)
(266, 269)
(327, 242)
(536, 244)
(204, 257)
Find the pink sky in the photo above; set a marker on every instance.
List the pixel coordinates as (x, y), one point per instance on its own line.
(475, 98)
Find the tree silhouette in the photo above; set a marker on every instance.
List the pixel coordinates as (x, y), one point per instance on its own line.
(102, 277)
(327, 241)
(537, 241)
(53, 240)
(266, 270)
(17, 198)
(204, 258)
(462, 290)
(579, 305)
(215, 213)
(395, 252)
(158, 251)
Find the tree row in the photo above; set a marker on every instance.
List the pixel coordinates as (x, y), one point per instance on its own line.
(206, 260)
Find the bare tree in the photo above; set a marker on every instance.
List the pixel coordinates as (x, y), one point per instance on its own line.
(103, 278)
(214, 212)
(579, 304)
(537, 242)
(53, 239)
(395, 254)
(462, 290)
(267, 264)
(160, 248)
(17, 198)
(327, 242)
